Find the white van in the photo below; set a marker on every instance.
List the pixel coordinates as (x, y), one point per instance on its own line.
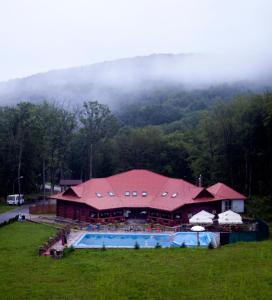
(15, 199)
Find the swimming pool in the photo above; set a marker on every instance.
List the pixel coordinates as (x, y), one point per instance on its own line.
(144, 240)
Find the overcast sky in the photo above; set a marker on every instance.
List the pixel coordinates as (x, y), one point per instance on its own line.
(40, 35)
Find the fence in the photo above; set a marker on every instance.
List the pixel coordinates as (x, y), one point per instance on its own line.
(42, 209)
(260, 233)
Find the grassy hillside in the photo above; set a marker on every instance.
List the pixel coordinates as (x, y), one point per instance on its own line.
(241, 271)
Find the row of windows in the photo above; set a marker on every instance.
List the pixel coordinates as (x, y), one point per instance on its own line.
(135, 194)
(127, 193)
(164, 194)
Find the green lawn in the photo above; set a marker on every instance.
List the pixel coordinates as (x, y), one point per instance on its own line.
(241, 271)
(4, 207)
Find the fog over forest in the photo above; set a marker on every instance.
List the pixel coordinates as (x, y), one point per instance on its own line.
(129, 79)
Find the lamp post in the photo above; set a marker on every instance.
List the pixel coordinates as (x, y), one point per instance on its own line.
(19, 178)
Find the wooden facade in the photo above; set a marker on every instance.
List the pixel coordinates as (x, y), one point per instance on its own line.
(85, 213)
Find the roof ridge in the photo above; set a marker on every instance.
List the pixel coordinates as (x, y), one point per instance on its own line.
(133, 170)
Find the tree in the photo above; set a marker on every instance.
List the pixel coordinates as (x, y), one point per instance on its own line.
(56, 132)
(97, 124)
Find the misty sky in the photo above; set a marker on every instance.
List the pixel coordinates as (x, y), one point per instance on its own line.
(40, 35)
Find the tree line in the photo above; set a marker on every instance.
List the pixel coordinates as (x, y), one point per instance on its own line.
(229, 142)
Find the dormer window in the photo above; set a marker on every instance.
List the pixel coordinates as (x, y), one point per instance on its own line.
(127, 194)
(164, 194)
(99, 195)
(144, 194)
(134, 194)
(111, 194)
(174, 195)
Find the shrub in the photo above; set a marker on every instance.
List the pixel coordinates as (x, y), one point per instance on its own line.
(157, 246)
(183, 245)
(136, 246)
(211, 246)
(68, 250)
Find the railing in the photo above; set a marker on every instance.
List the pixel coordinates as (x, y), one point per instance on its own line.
(154, 226)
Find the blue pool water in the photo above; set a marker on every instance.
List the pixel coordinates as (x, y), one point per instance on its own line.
(145, 240)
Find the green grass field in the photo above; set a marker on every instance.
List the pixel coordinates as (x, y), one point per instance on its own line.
(4, 207)
(241, 271)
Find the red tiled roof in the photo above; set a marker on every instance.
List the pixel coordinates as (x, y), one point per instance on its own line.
(144, 181)
(223, 191)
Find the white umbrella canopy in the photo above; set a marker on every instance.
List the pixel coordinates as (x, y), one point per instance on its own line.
(201, 221)
(206, 213)
(229, 217)
(197, 228)
(202, 217)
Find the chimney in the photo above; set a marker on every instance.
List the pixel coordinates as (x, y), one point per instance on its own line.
(200, 180)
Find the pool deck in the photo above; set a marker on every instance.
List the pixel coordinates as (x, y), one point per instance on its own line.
(77, 232)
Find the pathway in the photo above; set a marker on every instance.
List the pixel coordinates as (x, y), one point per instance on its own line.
(24, 209)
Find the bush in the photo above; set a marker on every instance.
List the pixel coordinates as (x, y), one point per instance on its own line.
(68, 250)
(136, 246)
(183, 245)
(211, 246)
(157, 246)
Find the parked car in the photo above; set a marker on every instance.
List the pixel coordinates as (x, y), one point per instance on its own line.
(15, 199)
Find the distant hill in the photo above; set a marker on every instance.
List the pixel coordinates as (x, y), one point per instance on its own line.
(133, 79)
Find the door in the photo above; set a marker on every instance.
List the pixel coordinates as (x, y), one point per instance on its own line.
(77, 214)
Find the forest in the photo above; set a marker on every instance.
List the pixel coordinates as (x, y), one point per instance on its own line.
(226, 141)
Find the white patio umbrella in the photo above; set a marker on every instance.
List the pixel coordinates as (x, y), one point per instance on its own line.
(197, 229)
(229, 217)
(202, 217)
(201, 221)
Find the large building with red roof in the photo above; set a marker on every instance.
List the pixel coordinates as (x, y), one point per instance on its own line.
(143, 194)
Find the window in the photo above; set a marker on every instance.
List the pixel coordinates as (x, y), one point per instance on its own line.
(93, 214)
(117, 213)
(174, 195)
(104, 214)
(165, 215)
(164, 194)
(228, 204)
(154, 214)
(99, 195)
(177, 216)
(144, 194)
(134, 194)
(127, 194)
(111, 194)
